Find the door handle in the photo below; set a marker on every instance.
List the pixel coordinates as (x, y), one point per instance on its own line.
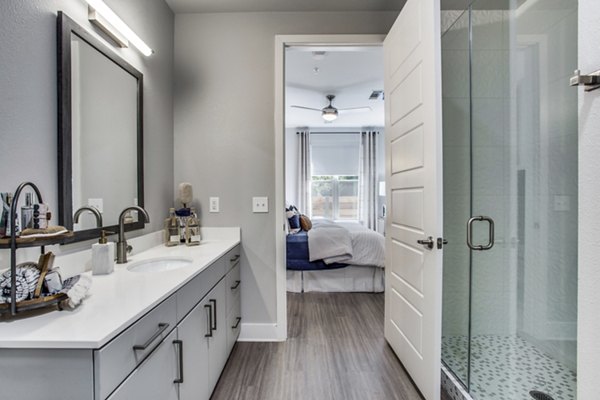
(427, 242)
(491, 230)
(210, 320)
(214, 309)
(179, 343)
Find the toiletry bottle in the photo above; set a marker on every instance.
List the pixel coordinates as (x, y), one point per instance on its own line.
(27, 212)
(171, 229)
(192, 230)
(103, 256)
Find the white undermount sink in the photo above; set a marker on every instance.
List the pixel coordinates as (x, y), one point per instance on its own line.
(159, 264)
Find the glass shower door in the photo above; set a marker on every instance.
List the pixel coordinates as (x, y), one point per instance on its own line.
(524, 179)
(510, 198)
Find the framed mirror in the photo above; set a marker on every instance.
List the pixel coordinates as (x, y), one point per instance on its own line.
(100, 133)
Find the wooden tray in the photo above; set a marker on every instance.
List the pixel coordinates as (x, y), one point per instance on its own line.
(33, 304)
(33, 242)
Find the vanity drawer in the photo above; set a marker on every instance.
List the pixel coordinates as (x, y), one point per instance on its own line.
(234, 285)
(115, 361)
(232, 258)
(193, 291)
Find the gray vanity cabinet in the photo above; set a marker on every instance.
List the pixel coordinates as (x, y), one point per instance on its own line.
(176, 351)
(155, 378)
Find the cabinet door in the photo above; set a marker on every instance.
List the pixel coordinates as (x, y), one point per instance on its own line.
(192, 332)
(155, 378)
(217, 344)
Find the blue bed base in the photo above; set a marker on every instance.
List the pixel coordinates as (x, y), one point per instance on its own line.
(297, 255)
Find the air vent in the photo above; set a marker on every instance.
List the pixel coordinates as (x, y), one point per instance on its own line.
(376, 94)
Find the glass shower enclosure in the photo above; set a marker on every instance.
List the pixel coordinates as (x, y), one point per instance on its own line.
(510, 198)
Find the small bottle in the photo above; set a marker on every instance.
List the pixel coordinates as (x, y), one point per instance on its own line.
(27, 212)
(103, 256)
(171, 229)
(192, 230)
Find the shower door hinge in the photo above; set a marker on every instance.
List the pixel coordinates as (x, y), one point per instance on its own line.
(590, 81)
(441, 242)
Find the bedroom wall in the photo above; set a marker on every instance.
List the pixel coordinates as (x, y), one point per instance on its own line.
(28, 108)
(224, 124)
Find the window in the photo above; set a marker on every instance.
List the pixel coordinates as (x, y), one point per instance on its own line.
(334, 197)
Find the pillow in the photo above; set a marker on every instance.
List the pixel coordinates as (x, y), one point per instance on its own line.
(305, 223)
(293, 219)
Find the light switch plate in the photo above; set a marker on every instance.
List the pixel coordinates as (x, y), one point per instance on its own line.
(213, 205)
(97, 203)
(260, 204)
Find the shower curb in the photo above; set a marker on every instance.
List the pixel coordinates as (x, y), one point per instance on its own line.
(452, 386)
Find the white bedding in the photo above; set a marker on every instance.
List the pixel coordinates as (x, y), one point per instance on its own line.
(346, 243)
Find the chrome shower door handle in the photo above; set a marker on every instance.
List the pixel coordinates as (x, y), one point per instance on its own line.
(480, 247)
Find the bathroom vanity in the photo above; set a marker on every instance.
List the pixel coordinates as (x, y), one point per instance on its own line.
(160, 327)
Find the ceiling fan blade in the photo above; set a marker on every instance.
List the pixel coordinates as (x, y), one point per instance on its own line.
(307, 108)
(355, 109)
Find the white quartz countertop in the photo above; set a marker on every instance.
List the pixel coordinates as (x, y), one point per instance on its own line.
(114, 303)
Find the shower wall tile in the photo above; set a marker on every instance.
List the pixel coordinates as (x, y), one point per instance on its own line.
(456, 122)
(489, 29)
(489, 73)
(455, 73)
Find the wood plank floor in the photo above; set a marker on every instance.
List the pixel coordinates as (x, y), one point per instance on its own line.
(335, 350)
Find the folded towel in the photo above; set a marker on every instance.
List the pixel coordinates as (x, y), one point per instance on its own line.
(48, 232)
(76, 288)
(27, 276)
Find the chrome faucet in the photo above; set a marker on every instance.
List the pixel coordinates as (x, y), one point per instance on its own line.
(92, 210)
(122, 247)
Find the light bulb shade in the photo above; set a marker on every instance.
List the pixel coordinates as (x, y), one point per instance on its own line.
(329, 115)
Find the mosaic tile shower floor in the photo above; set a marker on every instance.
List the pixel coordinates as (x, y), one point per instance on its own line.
(507, 368)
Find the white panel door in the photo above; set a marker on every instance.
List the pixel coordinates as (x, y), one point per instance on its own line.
(412, 85)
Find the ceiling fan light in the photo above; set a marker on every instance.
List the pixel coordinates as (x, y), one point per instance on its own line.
(329, 115)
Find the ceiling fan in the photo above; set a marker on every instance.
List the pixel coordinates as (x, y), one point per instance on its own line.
(330, 113)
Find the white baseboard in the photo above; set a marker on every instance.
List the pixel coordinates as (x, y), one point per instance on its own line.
(260, 333)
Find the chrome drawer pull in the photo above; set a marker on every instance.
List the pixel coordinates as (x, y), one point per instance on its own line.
(237, 323)
(235, 258)
(161, 328)
(237, 284)
(210, 321)
(179, 343)
(215, 311)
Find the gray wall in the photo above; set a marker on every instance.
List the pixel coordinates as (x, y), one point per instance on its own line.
(224, 124)
(28, 111)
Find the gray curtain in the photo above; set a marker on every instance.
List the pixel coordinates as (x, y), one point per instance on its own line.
(304, 172)
(368, 180)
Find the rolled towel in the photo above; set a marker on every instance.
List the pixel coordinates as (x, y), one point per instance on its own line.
(76, 288)
(27, 276)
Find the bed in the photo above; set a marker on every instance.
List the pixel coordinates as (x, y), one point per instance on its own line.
(335, 257)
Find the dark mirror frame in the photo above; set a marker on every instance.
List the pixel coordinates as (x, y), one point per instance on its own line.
(65, 28)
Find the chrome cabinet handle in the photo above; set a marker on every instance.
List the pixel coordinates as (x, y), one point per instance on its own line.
(237, 284)
(215, 312)
(179, 343)
(427, 242)
(235, 258)
(491, 230)
(161, 328)
(237, 323)
(210, 320)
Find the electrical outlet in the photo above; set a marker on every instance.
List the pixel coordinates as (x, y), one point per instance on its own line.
(260, 204)
(213, 205)
(97, 203)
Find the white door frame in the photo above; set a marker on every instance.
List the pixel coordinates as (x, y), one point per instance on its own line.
(281, 42)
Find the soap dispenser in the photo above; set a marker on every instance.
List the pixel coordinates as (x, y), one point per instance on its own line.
(103, 256)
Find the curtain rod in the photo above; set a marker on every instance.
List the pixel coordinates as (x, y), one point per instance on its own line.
(337, 133)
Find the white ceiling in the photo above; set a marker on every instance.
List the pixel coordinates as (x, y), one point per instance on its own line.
(351, 74)
(210, 6)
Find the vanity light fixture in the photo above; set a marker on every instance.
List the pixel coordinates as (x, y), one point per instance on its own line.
(106, 19)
